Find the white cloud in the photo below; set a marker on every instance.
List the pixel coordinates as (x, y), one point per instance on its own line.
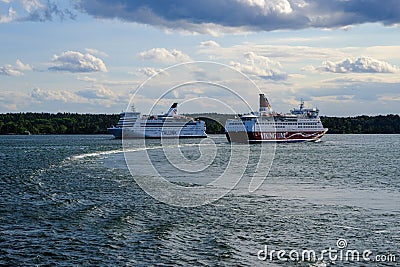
(96, 99)
(37, 10)
(73, 61)
(21, 66)
(55, 95)
(209, 44)
(9, 70)
(99, 92)
(87, 79)
(16, 70)
(359, 65)
(31, 5)
(9, 17)
(150, 71)
(361, 77)
(164, 55)
(309, 68)
(12, 100)
(96, 52)
(87, 98)
(386, 52)
(260, 66)
(269, 6)
(285, 53)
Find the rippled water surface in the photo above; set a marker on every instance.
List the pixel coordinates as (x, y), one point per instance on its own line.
(71, 201)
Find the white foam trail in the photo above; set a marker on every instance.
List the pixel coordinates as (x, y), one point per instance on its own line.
(94, 154)
(109, 152)
(101, 153)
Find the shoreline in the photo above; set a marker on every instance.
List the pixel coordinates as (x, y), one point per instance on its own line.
(74, 123)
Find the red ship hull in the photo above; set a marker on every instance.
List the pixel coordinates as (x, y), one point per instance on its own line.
(257, 137)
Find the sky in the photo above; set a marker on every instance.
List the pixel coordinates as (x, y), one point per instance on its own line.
(100, 56)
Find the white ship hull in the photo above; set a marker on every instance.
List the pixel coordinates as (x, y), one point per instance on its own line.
(188, 130)
(169, 125)
(164, 132)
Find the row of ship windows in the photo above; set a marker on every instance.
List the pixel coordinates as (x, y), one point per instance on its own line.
(309, 127)
(308, 123)
(279, 123)
(283, 126)
(289, 123)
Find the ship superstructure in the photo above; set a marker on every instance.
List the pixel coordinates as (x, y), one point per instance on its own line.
(168, 125)
(268, 126)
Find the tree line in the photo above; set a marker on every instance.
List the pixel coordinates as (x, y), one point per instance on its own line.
(382, 124)
(60, 123)
(74, 123)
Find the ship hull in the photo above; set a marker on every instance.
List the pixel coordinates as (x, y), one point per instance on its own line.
(132, 133)
(300, 125)
(259, 137)
(117, 132)
(167, 125)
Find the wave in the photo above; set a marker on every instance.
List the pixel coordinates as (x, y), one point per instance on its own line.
(109, 152)
(95, 154)
(116, 151)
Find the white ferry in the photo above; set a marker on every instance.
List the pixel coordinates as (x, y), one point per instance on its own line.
(169, 125)
(300, 125)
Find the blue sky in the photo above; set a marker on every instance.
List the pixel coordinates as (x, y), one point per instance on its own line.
(92, 55)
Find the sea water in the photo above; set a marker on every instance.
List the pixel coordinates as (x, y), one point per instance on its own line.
(72, 201)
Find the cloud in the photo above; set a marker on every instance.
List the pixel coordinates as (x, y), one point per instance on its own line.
(269, 7)
(9, 17)
(32, 5)
(164, 55)
(260, 66)
(16, 70)
(283, 53)
(209, 44)
(73, 61)
(55, 95)
(99, 92)
(82, 96)
(359, 65)
(35, 10)
(245, 15)
(87, 79)
(92, 100)
(21, 66)
(9, 70)
(11, 100)
(96, 52)
(40, 13)
(150, 71)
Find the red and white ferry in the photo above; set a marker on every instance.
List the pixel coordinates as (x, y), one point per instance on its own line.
(300, 125)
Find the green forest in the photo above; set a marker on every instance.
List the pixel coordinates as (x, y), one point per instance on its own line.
(74, 123)
(60, 123)
(382, 124)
